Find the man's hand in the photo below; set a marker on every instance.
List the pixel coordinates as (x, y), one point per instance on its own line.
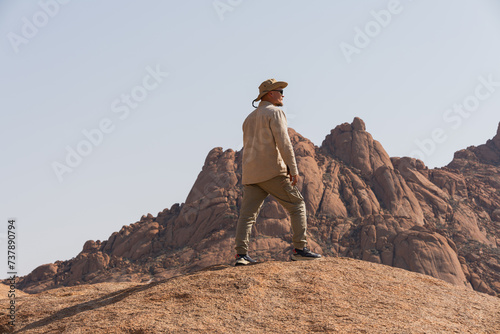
(294, 179)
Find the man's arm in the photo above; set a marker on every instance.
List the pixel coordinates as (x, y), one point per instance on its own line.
(279, 127)
(293, 178)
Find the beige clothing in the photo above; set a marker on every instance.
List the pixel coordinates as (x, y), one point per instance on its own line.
(267, 150)
(287, 195)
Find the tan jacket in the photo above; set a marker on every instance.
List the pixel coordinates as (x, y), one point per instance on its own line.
(267, 150)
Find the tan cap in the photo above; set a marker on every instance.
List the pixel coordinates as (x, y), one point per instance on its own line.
(269, 85)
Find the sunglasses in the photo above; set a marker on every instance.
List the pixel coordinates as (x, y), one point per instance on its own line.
(278, 90)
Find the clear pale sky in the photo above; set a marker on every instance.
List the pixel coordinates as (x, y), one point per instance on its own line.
(144, 89)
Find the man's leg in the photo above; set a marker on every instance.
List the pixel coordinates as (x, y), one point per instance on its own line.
(291, 199)
(253, 197)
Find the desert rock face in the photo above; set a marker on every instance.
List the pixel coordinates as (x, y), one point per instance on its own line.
(361, 203)
(353, 145)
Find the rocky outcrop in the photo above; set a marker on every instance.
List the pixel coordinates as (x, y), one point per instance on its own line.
(352, 144)
(488, 153)
(428, 253)
(360, 203)
(337, 295)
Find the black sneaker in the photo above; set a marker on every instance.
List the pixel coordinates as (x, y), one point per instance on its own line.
(243, 260)
(304, 255)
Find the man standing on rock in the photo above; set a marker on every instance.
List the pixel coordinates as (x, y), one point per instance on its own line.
(269, 167)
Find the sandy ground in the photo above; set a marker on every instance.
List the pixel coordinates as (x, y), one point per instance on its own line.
(331, 295)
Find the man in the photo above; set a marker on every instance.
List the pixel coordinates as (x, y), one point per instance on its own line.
(269, 167)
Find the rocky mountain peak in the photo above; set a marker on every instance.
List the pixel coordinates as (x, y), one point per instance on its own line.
(352, 144)
(488, 153)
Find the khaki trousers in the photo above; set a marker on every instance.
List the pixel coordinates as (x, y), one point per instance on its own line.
(287, 195)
